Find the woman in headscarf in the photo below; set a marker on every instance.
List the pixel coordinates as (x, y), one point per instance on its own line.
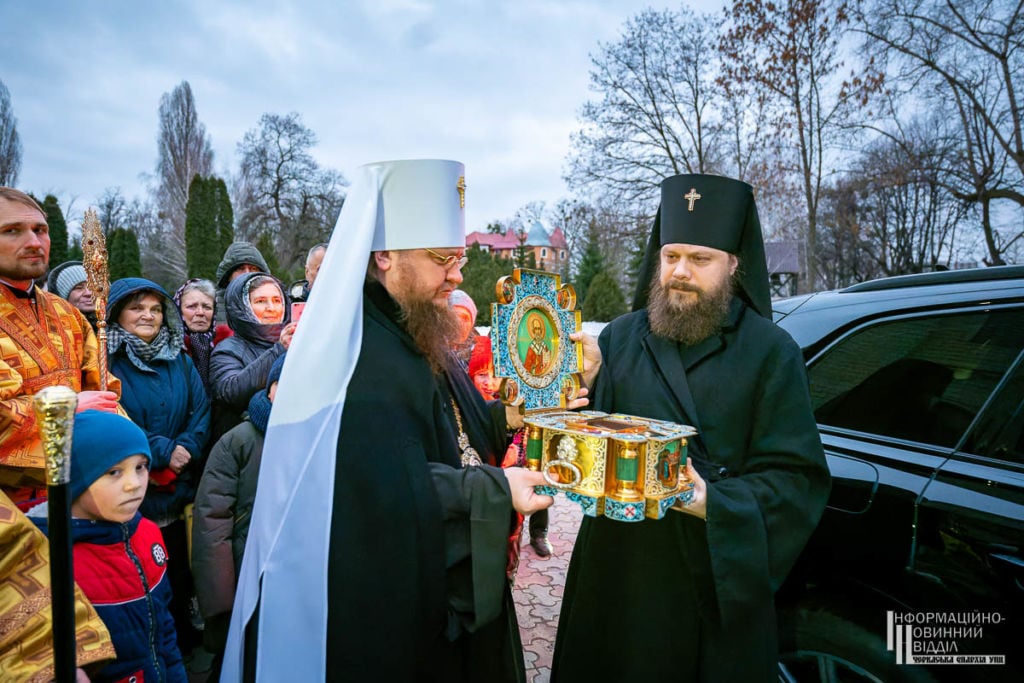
(162, 392)
(257, 311)
(197, 300)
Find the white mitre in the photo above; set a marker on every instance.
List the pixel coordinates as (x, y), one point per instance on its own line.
(420, 203)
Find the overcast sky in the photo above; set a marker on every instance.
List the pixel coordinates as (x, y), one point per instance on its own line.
(494, 84)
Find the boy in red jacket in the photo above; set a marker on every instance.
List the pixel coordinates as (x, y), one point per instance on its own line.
(120, 558)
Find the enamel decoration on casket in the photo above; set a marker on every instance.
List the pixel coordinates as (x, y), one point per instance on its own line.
(620, 466)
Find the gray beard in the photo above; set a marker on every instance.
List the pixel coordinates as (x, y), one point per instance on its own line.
(691, 323)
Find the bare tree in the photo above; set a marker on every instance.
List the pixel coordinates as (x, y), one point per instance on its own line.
(183, 151)
(112, 209)
(964, 57)
(789, 52)
(281, 193)
(889, 216)
(10, 144)
(656, 113)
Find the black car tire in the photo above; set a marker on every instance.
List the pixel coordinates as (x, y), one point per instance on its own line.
(817, 645)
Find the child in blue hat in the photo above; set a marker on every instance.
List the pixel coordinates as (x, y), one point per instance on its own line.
(120, 559)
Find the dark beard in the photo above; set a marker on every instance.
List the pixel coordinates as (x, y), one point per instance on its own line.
(693, 322)
(434, 330)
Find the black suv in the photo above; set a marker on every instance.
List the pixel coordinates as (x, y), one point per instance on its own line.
(916, 572)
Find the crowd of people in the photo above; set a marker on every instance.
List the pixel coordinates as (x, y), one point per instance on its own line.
(381, 533)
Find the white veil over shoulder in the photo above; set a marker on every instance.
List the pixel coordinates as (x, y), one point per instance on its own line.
(391, 205)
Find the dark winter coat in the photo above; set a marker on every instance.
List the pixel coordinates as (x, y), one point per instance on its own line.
(169, 402)
(222, 514)
(418, 544)
(681, 595)
(122, 569)
(240, 364)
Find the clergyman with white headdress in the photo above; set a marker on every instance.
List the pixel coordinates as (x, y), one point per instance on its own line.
(378, 544)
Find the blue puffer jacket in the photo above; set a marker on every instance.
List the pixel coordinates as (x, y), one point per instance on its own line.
(168, 401)
(122, 569)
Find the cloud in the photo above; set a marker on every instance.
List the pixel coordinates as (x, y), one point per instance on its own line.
(496, 84)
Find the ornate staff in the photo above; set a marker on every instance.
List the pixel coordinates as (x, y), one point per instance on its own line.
(94, 259)
(55, 417)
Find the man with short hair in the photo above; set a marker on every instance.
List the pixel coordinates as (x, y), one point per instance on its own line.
(693, 594)
(301, 289)
(313, 260)
(385, 485)
(44, 341)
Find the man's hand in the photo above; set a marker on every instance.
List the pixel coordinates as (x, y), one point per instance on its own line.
(180, 457)
(698, 506)
(591, 356)
(581, 400)
(521, 482)
(105, 401)
(286, 335)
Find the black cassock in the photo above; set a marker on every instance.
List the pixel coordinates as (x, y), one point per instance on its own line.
(416, 585)
(681, 599)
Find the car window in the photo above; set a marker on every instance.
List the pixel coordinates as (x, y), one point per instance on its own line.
(921, 378)
(1000, 434)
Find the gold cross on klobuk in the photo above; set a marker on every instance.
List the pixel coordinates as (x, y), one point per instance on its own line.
(691, 197)
(461, 187)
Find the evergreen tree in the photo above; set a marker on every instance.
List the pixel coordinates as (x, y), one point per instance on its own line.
(58, 231)
(75, 250)
(604, 301)
(123, 254)
(225, 215)
(592, 263)
(522, 255)
(479, 277)
(265, 244)
(202, 252)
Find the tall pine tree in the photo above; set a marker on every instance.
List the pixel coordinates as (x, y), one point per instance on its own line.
(123, 254)
(604, 301)
(592, 263)
(265, 244)
(479, 277)
(58, 231)
(202, 243)
(225, 215)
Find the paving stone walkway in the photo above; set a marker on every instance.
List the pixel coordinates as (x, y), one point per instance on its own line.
(538, 589)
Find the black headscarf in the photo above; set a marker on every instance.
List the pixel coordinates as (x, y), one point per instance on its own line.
(710, 211)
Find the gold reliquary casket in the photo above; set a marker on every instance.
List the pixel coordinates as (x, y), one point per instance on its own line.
(624, 467)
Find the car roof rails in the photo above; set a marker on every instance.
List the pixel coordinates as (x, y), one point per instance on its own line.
(944, 277)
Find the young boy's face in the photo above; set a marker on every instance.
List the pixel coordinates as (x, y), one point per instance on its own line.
(117, 495)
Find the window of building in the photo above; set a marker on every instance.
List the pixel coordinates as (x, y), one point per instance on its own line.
(543, 253)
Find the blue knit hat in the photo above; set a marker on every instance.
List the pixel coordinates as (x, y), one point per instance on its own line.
(275, 370)
(98, 442)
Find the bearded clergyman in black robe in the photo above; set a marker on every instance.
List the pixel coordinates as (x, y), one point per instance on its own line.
(379, 538)
(690, 597)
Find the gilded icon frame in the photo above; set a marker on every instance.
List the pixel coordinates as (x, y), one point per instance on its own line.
(540, 367)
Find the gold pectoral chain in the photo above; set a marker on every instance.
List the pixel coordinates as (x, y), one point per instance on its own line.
(470, 458)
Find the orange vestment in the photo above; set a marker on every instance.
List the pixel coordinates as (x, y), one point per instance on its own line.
(42, 343)
(26, 630)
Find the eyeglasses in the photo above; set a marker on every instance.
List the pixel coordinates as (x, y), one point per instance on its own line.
(447, 262)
